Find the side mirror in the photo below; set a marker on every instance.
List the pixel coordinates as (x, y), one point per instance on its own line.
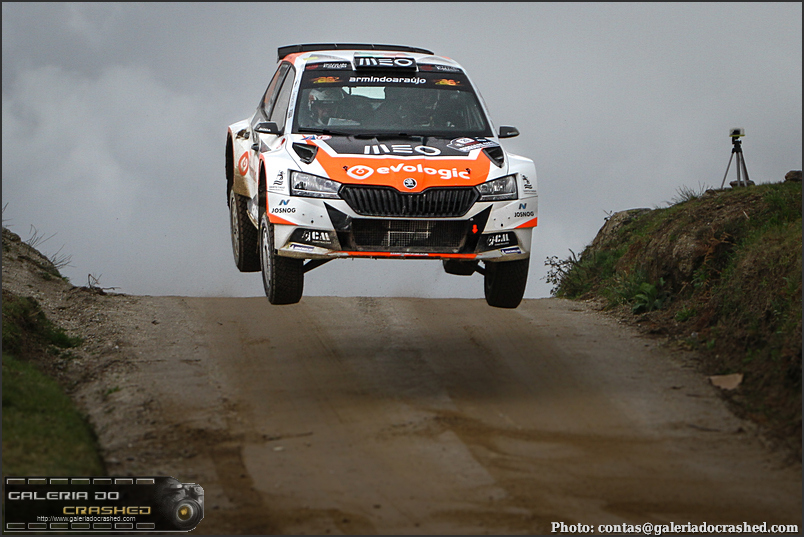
(508, 132)
(267, 127)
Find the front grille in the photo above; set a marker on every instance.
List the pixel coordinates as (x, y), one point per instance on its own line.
(409, 235)
(387, 201)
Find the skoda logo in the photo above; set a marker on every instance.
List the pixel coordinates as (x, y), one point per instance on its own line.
(409, 183)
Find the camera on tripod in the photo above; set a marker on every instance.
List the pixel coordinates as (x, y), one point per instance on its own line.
(737, 149)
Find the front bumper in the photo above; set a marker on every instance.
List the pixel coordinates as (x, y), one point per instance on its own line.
(403, 238)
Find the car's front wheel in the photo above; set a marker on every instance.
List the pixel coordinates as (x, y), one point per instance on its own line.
(282, 277)
(504, 282)
(245, 237)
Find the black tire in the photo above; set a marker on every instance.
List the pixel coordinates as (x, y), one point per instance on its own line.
(282, 277)
(245, 237)
(505, 281)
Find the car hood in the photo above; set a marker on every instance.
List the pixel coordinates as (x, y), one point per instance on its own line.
(409, 164)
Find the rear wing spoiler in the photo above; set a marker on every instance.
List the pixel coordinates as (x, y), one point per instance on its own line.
(292, 49)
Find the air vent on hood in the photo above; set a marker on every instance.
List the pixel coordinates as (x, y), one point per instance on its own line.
(496, 155)
(306, 152)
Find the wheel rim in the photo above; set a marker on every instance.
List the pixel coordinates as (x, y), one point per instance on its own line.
(235, 224)
(266, 249)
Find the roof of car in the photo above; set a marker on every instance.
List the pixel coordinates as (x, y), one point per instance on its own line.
(312, 47)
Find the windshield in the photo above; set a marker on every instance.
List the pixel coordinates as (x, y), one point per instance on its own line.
(377, 103)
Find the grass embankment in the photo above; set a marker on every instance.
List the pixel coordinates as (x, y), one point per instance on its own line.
(43, 432)
(718, 272)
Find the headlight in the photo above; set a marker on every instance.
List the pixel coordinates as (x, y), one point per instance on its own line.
(500, 189)
(312, 186)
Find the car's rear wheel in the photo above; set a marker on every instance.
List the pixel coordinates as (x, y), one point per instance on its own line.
(282, 277)
(245, 237)
(504, 282)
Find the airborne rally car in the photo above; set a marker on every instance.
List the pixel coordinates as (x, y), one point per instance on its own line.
(381, 151)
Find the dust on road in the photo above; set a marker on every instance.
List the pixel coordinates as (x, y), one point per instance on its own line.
(396, 415)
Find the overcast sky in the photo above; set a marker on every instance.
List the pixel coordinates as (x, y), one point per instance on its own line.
(115, 118)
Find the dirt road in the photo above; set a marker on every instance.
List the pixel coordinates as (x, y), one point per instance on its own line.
(364, 415)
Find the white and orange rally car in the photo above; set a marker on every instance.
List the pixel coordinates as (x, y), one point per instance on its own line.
(382, 151)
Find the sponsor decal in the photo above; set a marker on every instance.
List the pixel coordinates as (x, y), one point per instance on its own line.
(523, 205)
(278, 183)
(447, 82)
(511, 250)
(380, 61)
(524, 214)
(242, 164)
(328, 65)
(387, 79)
(409, 183)
(284, 202)
(498, 239)
(401, 149)
(283, 210)
(527, 185)
(313, 137)
(441, 68)
(326, 80)
(361, 171)
(300, 247)
(435, 147)
(470, 144)
(316, 236)
(337, 160)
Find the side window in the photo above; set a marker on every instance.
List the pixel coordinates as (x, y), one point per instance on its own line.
(269, 97)
(280, 109)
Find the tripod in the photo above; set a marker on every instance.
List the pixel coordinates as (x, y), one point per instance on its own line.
(737, 148)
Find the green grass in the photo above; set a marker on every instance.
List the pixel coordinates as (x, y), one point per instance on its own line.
(43, 433)
(23, 320)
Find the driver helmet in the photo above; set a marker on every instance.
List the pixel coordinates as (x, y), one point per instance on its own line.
(323, 102)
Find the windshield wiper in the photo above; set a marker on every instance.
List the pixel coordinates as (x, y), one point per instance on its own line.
(387, 136)
(326, 131)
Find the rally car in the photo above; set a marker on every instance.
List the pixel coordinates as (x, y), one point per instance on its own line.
(381, 151)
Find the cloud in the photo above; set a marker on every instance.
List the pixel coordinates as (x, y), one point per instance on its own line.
(114, 119)
(110, 155)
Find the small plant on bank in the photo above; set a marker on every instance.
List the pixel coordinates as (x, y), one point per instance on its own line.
(685, 193)
(22, 316)
(685, 314)
(575, 276)
(37, 239)
(650, 297)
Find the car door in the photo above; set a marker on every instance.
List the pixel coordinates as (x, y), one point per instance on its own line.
(263, 114)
